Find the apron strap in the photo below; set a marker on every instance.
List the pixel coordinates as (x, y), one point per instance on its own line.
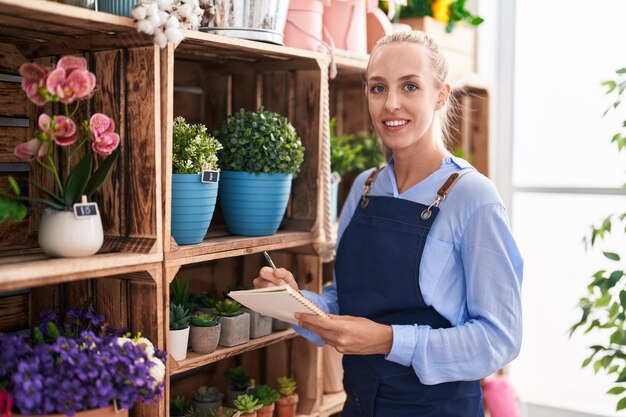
(365, 200)
(443, 191)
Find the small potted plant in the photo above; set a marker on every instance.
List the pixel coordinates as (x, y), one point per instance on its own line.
(247, 405)
(288, 401)
(195, 412)
(207, 304)
(224, 412)
(205, 333)
(235, 323)
(207, 398)
(179, 331)
(268, 397)
(238, 381)
(262, 153)
(193, 199)
(179, 406)
(179, 292)
(260, 325)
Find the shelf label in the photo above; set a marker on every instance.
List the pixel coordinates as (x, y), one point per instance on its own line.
(85, 210)
(209, 176)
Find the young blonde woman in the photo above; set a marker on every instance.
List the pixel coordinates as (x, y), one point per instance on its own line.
(426, 297)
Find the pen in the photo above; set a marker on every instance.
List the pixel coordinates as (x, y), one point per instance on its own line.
(269, 260)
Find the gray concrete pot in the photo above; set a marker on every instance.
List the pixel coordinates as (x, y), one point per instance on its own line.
(260, 325)
(235, 330)
(204, 339)
(279, 325)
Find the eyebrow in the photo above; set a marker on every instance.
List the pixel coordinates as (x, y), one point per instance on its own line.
(405, 77)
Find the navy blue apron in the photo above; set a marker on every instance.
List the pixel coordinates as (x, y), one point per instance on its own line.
(377, 266)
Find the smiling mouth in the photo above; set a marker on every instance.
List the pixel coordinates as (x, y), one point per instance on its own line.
(395, 123)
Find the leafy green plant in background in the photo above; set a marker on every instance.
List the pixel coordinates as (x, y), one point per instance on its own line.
(449, 12)
(604, 307)
(193, 148)
(353, 153)
(228, 308)
(260, 142)
(179, 406)
(247, 404)
(179, 292)
(266, 394)
(237, 377)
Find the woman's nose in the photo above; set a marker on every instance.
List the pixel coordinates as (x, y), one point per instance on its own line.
(393, 102)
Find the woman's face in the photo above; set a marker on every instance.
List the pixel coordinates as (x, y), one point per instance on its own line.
(402, 95)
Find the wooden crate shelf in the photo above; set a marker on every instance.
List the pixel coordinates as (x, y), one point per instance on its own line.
(195, 360)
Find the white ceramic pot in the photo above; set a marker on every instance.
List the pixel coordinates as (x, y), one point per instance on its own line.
(63, 235)
(178, 343)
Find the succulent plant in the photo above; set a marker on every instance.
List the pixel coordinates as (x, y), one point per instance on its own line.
(228, 308)
(222, 412)
(266, 394)
(286, 386)
(179, 292)
(247, 404)
(208, 301)
(179, 317)
(238, 378)
(205, 320)
(206, 394)
(179, 406)
(194, 412)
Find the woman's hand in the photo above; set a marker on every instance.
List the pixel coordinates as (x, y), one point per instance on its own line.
(350, 335)
(269, 277)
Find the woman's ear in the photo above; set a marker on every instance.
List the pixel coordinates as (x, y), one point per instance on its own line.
(444, 92)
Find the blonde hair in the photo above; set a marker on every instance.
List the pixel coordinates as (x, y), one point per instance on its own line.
(444, 118)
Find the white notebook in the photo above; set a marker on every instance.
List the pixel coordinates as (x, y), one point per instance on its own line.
(280, 302)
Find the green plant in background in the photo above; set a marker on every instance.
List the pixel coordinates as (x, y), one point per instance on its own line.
(179, 317)
(449, 12)
(286, 386)
(604, 307)
(179, 292)
(179, 406)
(353, 153)
(222, 412)
(238, 378)
(206, 394)
(266, 394)
(261, 142)
(208, 301)
(228, 308)
(193, 148)
(205, 320)
(194, 412)
(246, 404)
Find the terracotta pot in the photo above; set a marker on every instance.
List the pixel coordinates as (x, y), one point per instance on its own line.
(97, 412)
(266, 411)
(286, 406)
(252, 414)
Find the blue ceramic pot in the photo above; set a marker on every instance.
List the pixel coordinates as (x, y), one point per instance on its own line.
(193, 204)
(254, 204)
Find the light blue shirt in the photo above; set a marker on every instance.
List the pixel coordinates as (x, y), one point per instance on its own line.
(471, 273)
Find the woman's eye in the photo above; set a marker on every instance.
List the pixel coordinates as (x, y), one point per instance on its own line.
(377, 89)
(411, 87)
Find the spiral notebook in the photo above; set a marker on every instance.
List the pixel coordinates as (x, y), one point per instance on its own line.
(280, 302)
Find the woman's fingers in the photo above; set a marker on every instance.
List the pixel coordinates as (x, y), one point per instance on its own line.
(269, 277)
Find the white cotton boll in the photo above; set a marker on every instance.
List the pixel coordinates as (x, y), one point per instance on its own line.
(154, 20)
(172, 23)
(184, 10)
(163, 16)
(153, 9)
(160, 38)
(174, 35)
(145, 26)
(193, 22)
(139, 12)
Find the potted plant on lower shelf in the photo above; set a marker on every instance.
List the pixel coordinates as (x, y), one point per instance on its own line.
(262, 153)
(288, 401)
(235, 323)
(179, 406)
(69, 226)
(238, 381)
(205, 333)
(267, 396)
(207, 398)
(247, 405)
(80, 368)
(193, 194)
(179, 331)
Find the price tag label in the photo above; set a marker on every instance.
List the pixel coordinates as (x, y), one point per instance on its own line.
(85, 210)
(210, 176)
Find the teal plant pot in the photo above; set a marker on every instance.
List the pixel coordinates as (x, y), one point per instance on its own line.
(254, 204)
(118, 7)
(193, 204)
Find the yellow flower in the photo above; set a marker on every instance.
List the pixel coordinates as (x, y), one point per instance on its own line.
(441, 10)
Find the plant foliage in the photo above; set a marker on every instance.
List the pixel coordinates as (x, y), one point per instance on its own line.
(193, 148)
(449, 12)
(266, 394)
(286, 386)
(238, 378)
(353, 153)
(179, 317)
(246, 404)
(228, 308)
(205, 320)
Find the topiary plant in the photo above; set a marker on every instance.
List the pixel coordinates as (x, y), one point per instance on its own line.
(286, 386)
(228, 308)
(193, 148)
(238, 378)
(179, 317)
(205, 320)
(266, 394)
(247, 404)
(260, 142)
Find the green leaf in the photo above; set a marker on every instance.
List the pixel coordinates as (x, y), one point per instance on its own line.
(11, 210)
(614, 310)
(610, 84)
(621, 404)
(48, 193)
(622, 298)
(622, 376)
(616, 390)
(603, 302)
(587, 361)
(77, 180)
(612, 256)
(597, 365)
(14, 185)
(621, 71)
(101, 173)
(39, 200)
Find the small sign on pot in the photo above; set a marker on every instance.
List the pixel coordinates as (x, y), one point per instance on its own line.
(210, 176)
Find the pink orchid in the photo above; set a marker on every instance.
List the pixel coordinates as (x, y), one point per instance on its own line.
(31, 150)
(65, 129)
(34, 77)
(105, 140)
(71, 80)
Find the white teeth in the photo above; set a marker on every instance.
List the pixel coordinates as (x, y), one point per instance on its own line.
(395, 123)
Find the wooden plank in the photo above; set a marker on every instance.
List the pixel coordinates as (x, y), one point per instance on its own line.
(14, 313)
(77, 295)
(354, 114)
(167, 126)
(44, 299)
(246, 95)
(10, 58)
(276, 91)
(10, 137)
(480, 129)
(13, 101)
(277, 361)
(142, 70)
(111, 300)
